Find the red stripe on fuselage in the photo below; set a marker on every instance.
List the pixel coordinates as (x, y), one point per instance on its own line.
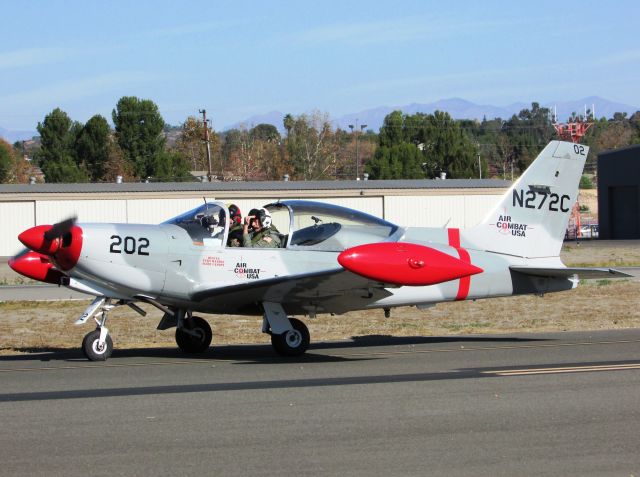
(465, 282)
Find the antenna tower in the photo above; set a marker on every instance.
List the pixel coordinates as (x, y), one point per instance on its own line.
(575, 130)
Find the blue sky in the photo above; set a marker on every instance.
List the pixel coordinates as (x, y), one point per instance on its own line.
(241, 58)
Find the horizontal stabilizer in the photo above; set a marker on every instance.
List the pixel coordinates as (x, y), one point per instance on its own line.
(564, 272)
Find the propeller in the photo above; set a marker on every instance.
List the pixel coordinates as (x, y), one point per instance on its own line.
(60, 229)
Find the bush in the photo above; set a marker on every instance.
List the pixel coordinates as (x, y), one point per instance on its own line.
(586, 182)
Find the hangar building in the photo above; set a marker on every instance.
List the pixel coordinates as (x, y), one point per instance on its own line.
(618, 198)
(429, 203)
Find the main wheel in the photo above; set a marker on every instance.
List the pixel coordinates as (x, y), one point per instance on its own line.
(195, 337)
(92, 349)
(293, 342)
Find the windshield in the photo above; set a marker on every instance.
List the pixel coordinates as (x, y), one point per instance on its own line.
(321, 226)
(206, 225)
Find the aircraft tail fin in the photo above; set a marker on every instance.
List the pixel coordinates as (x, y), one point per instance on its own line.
(530, 220)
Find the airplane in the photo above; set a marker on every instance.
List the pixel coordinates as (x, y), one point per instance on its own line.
(332, 260)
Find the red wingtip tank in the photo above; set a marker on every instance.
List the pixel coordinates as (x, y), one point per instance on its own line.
(401, 263)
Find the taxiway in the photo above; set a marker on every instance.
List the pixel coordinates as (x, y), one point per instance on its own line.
(527, 404)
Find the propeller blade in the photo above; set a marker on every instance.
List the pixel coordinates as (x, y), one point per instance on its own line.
(60, 229)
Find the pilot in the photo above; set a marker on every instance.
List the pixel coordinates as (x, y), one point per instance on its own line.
(262, 234)
(234, 238)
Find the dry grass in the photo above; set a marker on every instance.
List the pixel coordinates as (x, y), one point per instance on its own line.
(593, 253)
(594, 305)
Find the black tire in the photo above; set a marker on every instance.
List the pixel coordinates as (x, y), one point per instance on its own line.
(194, 344)
(294, 342)
(91, 349)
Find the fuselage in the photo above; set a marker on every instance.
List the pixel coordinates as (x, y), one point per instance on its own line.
(162, 262)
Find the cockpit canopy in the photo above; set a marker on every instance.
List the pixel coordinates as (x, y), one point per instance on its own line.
(206, 225)
(301, 224)
(321, 226)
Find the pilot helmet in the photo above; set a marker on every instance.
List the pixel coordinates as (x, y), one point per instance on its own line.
(234, 214)
(263, 216)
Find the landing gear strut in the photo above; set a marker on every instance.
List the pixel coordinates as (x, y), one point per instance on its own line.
(289, 336)
(97, 344)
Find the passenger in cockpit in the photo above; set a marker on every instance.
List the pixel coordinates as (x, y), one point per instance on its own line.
(234, 239)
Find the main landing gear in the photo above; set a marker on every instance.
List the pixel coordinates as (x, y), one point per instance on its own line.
(194, 336)
(289, 336)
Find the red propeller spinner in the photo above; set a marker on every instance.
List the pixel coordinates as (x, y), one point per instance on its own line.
(61, 241)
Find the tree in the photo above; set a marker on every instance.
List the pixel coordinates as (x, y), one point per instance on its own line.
(266, 133)
(398, 161)
(171, 166)
(57, 155)
(447, 148)
(529, 132)
(191, 145)
(438, 145)
(117, 165)
(92, 147)
(139, 126)
(392, 130)
(6, 160)
(309, 145)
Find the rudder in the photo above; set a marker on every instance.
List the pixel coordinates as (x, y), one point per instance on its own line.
(530, 220)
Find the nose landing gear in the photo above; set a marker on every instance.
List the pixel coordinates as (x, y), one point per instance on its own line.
(97, 345)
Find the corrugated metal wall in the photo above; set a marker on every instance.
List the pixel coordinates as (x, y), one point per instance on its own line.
(424, 211)
(438, 211)
(15, 217)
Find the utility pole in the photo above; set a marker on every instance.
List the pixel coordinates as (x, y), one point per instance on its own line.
(362, 126)
(206, 140)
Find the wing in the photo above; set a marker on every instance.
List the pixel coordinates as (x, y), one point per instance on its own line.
(562, 272)
(328, 291)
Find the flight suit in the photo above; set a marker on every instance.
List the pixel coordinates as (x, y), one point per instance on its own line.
(266, 238)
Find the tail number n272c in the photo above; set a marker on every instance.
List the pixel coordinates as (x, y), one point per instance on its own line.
(129, 244)
(536, 200)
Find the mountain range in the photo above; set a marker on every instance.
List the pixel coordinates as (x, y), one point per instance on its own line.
(12, 136)
(456, 107)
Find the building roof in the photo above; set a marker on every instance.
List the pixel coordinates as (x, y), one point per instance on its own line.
(621, 150)
(265, 186)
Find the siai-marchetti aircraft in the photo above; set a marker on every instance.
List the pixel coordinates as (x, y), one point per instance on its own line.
(331, 260)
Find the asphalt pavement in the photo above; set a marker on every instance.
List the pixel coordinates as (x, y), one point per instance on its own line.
(524, 404)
